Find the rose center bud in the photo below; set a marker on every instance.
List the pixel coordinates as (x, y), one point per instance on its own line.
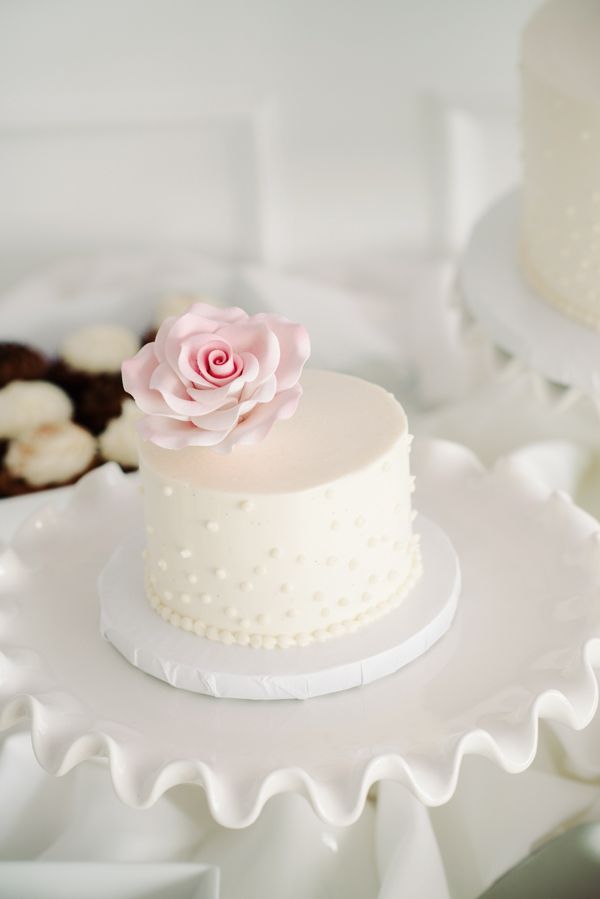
(219, 364)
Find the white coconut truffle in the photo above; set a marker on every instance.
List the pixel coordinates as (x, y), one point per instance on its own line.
(52, 454)
(25, 405)
(99, 349)
(178, 303)
(118, 443)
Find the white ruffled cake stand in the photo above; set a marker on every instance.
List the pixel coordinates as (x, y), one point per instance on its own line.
(522, 647)
(520, 322)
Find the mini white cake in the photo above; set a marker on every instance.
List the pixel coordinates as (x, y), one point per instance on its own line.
(560, 240)
(305, 536)
(277, 504)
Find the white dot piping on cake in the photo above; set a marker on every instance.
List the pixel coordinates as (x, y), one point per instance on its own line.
(162, 564)
(301, 639)
(275, 553)
(212, 526)
(185, 553)
(185, 599)
(192, 578)
(246, 586)
(205, 599)
(167, 491)
(259, 570)
(246, 505)
(220, 573)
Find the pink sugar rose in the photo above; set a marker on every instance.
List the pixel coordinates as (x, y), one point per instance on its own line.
(216, 377)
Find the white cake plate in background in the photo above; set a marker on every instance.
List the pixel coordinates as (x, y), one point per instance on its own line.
(521, 648)
(195, 663)
(515, 317)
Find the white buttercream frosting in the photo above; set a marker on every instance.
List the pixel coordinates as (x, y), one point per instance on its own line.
(99, 349)
(303, 537)
(119, 441)
(25, 405)
(175, 304)
(560, 238)
(51, 454)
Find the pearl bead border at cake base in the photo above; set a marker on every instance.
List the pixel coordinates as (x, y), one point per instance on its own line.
(285, 641)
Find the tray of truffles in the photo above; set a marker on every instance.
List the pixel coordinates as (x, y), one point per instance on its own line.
(63, 409)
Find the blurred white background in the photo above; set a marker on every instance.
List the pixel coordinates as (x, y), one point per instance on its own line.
(296, 133)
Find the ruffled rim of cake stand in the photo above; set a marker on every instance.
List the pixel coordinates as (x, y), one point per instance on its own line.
(65, 731)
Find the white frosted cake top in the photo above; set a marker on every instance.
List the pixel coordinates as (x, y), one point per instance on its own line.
(342, 425)
(561, 43)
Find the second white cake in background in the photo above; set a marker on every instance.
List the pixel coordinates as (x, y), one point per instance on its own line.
(560, 238)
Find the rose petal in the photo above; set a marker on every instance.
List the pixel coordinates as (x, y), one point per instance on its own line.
(223, 316)
(220, 420)
(137, 374)
(172, 434)
(185, 328)
(173, 392)
(259, 422)
(263, 393)
(294, 345)
(256, 338)
(161, 337)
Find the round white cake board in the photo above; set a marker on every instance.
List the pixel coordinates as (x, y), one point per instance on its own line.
(204, 666)
(516, 318)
